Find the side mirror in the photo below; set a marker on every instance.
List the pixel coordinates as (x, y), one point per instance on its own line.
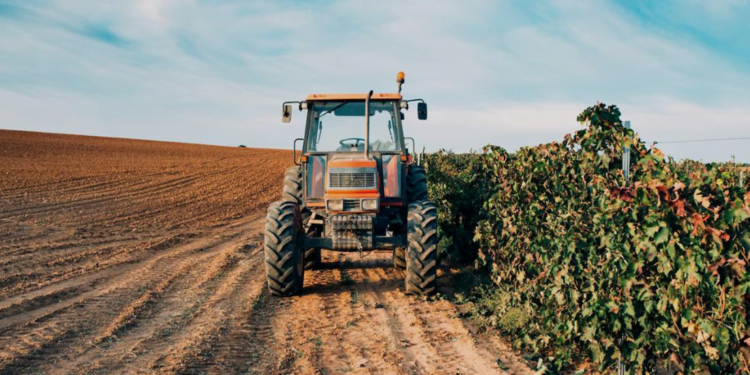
(422, 111)
(286, 113)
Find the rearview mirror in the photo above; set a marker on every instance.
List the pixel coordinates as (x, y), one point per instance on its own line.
(286, 113)
(422, 111)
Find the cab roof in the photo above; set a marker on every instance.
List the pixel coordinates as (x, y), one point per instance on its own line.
(375, 96)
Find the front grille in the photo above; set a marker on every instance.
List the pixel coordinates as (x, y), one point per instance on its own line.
(351, 205)
(351, 222)
(352, 180)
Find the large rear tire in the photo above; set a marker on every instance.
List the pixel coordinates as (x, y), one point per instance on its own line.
(312, 258)
(416, 184)
(421, 256)
(285, 269)
(399, 258)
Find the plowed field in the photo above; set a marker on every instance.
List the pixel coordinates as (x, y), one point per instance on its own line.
(125, 256)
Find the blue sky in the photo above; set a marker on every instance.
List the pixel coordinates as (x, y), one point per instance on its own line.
(510, 73)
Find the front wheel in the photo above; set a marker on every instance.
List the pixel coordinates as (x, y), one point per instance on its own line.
(285, 269)
(292, 191)
(421, 255)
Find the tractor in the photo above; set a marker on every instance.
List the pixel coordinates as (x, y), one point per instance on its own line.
(353, 190)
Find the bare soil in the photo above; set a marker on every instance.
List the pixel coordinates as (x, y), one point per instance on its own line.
(126, 256)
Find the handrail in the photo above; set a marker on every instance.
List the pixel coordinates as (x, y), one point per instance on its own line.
(294, 150)
(367, 125)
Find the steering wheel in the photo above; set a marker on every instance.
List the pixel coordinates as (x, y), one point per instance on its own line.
(356, 144)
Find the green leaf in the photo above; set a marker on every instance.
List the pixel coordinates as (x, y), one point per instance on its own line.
(662, 236)
(740, 214)
(630, 309)
(651, 231)
(745, 241)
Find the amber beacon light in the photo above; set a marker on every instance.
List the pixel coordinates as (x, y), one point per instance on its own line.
(400, 78)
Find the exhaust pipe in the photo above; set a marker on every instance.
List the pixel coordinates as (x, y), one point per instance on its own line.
(367, 125)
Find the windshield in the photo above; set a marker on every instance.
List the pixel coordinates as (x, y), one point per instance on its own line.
(340, 126)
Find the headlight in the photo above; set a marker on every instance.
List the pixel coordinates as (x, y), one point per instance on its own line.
(335, 204)
(369, 204)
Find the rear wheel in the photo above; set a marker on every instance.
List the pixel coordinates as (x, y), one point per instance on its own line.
(399, 258)
(312, 258)
(421, 255)
(284, 259)
(416, 184)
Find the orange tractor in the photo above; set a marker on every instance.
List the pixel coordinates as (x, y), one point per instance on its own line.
(354, 192)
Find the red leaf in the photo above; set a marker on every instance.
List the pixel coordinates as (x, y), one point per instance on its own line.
(623, 193)
(737, 260)
(679, 206)
(663, 191)
(698, 223)
(718, 233)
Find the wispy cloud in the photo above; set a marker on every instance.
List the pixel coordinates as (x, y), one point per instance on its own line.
(507, 73)
(102, 33)
(11, 10)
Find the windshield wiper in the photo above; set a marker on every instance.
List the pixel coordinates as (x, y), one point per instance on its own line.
(333, 109)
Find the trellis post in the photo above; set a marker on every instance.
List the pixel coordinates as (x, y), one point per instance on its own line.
(626, 172)
(626, 156)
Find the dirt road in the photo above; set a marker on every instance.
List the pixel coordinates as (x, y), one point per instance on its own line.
(123, 256)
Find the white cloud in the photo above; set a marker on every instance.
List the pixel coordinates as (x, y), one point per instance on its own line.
(511, 74)
(153, 10)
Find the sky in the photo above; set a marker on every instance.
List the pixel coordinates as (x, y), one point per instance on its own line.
(509, 73)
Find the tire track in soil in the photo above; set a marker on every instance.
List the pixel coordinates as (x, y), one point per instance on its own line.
(49, 251)
(126, 255)
(306, 343)
(443, 338)
(415, 336)
(248, 333)
(160, 324)
(408, 338)
(96, 283)
(353, 317)
(352, 322)
(28, 282)
(38, 339)
(193, 350)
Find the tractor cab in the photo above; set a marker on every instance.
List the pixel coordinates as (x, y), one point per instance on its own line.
(346, 170)
(356, 181)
